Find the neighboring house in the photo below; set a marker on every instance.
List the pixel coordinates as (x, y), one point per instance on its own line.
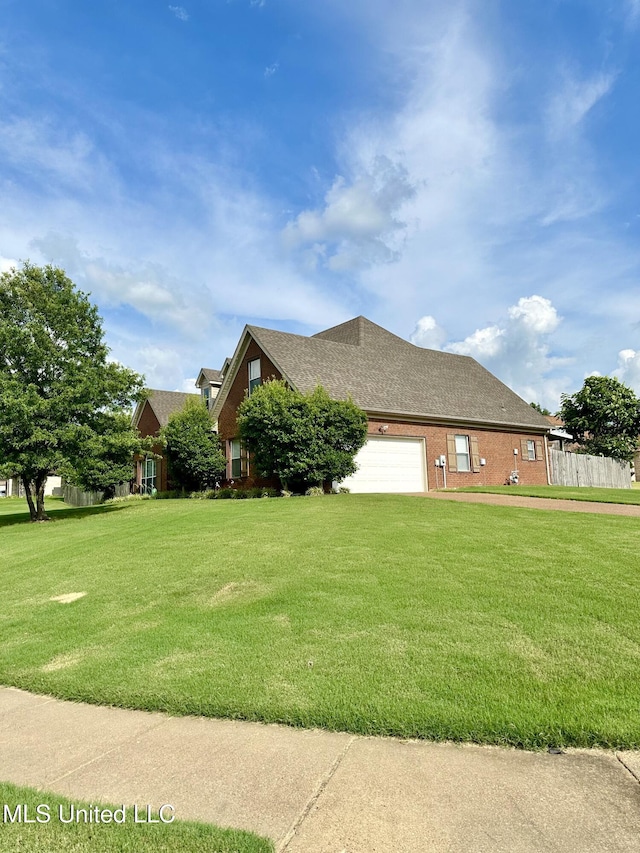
(432, 415)
(209, 382)
(12, 487)
(558, 437)
(149, 418)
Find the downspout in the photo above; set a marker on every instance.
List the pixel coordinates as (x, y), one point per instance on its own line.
(546, 459)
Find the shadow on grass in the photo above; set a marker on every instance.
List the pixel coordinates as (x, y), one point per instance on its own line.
(56, 514)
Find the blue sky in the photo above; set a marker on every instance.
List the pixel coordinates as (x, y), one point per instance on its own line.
(464, 173)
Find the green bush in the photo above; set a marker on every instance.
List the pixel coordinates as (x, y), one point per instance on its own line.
(171, 495)
(315, 492)
(127, 499)
(226, 493)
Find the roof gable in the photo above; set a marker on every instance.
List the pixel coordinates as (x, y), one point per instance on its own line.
(163, 404)
(385, 374)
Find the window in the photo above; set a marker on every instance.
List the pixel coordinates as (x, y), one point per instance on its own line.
(206, 396)
(462, 453)
(531, 450)
(254, 374)
(236, 458)
(148, 475)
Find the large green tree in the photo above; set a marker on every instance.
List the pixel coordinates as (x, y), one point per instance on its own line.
(195, 458)
(301, 438)
(603, 417)
(64, 406)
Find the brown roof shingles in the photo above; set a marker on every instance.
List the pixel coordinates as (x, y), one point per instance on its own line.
(384, 373)
(165, 403)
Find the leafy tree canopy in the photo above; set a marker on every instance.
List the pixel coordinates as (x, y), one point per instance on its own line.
(301, 438)
(194, 455)
(63, 405)
(540, 408)
(603, 417)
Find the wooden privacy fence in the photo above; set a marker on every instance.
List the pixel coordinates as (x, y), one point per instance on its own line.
(76, 497)
(581, 469)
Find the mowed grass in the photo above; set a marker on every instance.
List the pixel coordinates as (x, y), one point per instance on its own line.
(567, 493)
(382, 615)
(55, 836)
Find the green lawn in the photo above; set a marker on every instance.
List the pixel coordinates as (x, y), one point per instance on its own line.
(367, 613)
(567, 493)
(55, 836)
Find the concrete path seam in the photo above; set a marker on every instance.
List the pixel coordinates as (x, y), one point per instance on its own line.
(286, 841)
(627, 768)
(118, 746)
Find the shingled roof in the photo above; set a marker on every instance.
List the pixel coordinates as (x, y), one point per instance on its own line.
(210, 374)
(163, 404)
(388, 375)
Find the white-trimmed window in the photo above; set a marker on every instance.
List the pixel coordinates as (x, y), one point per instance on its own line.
(148, 476)
(206, 396)
(462, 453)
(255, 378)
(531, 450)
(238, 460)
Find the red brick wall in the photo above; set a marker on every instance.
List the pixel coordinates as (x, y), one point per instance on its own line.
(150, 425)
(494, 446)
(227, 427)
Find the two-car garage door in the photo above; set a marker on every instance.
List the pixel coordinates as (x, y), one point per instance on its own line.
(389, 464)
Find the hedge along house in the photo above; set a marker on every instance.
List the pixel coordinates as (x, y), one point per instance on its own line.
(149, 418)
(433, 416)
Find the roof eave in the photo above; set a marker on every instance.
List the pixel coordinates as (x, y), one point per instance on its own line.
(418, 417)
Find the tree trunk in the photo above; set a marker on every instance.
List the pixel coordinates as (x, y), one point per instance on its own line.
(36, 489)
(27, 490)
(40, 513)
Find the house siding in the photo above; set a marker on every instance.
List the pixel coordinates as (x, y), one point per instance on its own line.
(495, 446)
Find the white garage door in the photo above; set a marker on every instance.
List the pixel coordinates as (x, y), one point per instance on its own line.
(389, 465)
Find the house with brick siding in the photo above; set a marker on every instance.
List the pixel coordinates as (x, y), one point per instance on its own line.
(434, 418)
(149, 418)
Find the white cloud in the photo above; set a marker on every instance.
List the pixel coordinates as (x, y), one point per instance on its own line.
(516, 349)
(188, 386)
(358, 219)
(270, 70)
(536, 314)
(571, 104)
(7, 264)
(483, 344)
(428, 333)
(180, 12)
(628, 370)
(632, 11)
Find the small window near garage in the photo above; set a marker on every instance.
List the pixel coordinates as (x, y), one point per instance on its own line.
(254, 374)
(462, 453)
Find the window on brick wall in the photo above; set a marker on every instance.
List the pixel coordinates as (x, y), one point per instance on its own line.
(148, 476)
(238, 457)
(463, 454)
(255, 378)
(463, 463)
(531, 449)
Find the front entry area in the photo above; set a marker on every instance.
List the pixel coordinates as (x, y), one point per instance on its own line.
(390, 464)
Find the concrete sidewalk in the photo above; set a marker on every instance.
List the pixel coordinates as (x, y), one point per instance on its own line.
(321, 792)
